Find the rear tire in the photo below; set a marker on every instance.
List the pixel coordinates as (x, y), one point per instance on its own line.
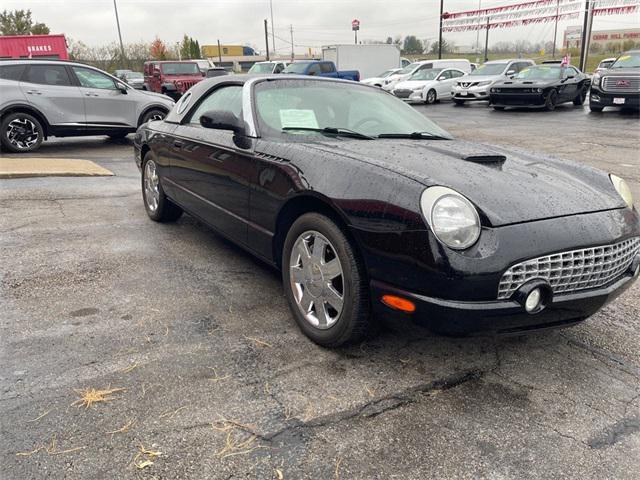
(153, 114)
(595, 108)
(156, 203)
(21, 133)
(327, 290)
(580, 98)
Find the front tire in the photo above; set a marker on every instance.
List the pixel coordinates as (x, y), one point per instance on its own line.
(325, 282)
(156, 203)
(595, 108)
(21, 133)
(498, 108)
(431, 97)
(551, 100)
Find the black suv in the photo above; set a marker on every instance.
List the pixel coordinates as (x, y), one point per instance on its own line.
(619, 86)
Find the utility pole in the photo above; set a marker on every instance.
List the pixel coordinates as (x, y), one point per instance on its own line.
(588, 44)
(266, 37)
(292, 52)
(273, 29)
(219, 52)
(115, 7)
(555, 31)
(486, 43)
(440, 34)
(356, 36)
(583, 42)
(478, 35)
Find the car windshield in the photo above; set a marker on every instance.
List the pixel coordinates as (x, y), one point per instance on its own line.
(296, 67)
(606, 64)
(427, 74)
(629, 60)
(489, 69)
(266, 67)
(303, 108)
(409, 68)
(133, 75)
(386, 73)
(180, 68)
(540, 73)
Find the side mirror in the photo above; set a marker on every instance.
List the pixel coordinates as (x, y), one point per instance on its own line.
(510, 73)
(312, 73)
(222, 120)
(122, 87)
(156, 73)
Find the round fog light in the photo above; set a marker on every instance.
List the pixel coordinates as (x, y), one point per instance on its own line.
(533, 303)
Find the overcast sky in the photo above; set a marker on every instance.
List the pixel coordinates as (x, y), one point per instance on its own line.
(315, 22)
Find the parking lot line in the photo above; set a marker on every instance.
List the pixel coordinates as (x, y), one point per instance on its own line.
(50, 167)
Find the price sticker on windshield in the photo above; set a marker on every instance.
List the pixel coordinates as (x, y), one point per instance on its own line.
(294, 118)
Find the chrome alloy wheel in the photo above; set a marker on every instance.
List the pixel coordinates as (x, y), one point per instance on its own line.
(22, 133)
(156, 116)
(317, 279)
(151, 185)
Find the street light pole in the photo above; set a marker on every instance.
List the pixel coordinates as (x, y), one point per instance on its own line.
(115, 7)
(266, 37)
(293, 55)
(440, 34)
(555, 31)
(486, 43)
(478, 34)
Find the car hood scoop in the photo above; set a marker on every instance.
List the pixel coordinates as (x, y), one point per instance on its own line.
(508, 185)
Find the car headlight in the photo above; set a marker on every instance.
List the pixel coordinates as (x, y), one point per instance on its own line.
(623, 189)
(452, 218)
(485, 83)
(595, 80)
(418, 89)
(539, 90)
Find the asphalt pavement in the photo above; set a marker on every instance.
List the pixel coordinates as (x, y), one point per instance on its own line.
(210, 378)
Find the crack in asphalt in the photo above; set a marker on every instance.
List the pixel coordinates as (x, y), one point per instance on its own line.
(599, 354)
(377, 406)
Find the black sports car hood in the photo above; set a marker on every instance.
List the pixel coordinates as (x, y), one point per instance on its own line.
(508, 186)
(517, 83)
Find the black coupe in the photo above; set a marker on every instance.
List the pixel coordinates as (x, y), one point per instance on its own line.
(367, 207)
(541, 86)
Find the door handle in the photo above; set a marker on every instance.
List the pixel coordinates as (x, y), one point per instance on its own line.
(178, 143)
(33, 92)
(92, 95)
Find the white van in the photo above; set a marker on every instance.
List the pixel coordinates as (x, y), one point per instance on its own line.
(404, 74)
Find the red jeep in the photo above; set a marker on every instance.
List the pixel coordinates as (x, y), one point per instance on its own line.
(172, 78)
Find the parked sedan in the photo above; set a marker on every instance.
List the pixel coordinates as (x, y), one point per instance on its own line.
(367, 206)
(541, 86)
(42, 98)
(378, 81)
(135, 79)
(428, 86)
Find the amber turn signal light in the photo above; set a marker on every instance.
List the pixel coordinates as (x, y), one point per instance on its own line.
(398, 303)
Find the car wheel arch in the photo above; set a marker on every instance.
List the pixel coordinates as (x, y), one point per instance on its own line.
(147, 109)
(297, 206)
(28, 109)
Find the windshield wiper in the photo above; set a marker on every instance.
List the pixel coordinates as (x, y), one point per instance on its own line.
(344, 132)
(414, 135)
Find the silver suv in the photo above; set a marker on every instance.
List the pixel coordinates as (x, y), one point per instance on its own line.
(477, 84)
(42, 98)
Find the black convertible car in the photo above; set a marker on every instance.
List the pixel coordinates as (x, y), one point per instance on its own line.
(541, 86)
(368, 207)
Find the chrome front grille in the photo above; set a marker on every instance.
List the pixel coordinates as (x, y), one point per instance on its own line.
(621, 84)
(574, 270)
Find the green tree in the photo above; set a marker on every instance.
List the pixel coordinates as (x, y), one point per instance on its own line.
(389, 41)
(185, 47)
(194, 49)
(446, 46)
(412, 45)
(20, 22)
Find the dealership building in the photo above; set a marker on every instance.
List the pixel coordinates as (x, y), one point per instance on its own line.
(573, 36)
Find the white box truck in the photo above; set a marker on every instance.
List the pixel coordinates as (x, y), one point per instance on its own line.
(370, 60)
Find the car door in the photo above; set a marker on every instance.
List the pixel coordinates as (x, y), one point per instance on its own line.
(445, 83)
(211, 174)
(50, 89)
(569, 86)
(454, 74)
(105, 105)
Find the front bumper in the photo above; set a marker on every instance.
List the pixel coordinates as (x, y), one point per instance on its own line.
(608, 99)
(471, 93)
(516, 99)
(502, 317)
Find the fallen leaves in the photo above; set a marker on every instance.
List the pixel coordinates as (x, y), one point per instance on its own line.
(89, 396)
(40, 416)
(148, 456)
(238, 441)
(258, 342)
(123, 429)
(171, 413)
(51, 449)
